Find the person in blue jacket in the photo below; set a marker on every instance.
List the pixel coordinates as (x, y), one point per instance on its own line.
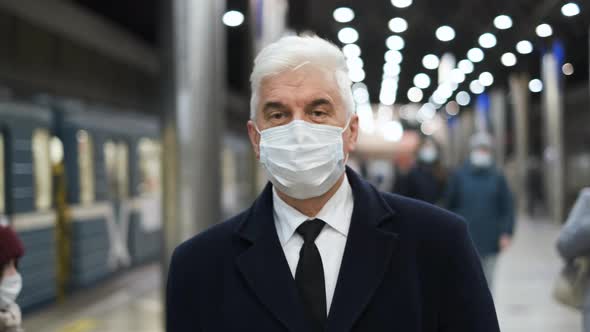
(478, 191)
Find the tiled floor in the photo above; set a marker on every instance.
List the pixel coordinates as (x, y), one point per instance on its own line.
(523, 295)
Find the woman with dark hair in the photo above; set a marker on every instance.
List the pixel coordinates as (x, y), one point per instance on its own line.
(11, 249)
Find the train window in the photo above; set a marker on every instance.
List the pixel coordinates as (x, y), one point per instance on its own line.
(149, 153)
(2, 175)
(42, 168)
(117, 166)
(86, 167)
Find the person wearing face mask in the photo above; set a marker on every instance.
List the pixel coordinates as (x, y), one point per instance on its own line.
(479, 192)
(426, 179)
(11, 249)
(321, 249)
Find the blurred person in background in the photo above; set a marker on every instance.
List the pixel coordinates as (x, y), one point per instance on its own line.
(321, 249)
(11, 249)
(426, 179)
(574, 243)
(478, 191)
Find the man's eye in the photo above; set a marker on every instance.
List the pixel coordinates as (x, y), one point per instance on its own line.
(317, 113)
(277, 116)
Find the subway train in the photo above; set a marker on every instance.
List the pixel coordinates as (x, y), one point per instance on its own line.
(81, 185)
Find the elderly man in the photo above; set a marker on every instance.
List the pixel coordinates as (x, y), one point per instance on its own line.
(321, 249)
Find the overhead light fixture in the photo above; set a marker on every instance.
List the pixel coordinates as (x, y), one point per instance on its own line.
(466, 66)
(233, 18)
(567, 69)
(393, 131)
(415, 95)
(570, 9)
(391, 69)
(401, 3)
(426, 112)
(503, 22)
(438, 98)
(457, 76)
(430, 61)
(422, 81)
(348, 35)
(508, 59)
(487, 40)
(536, 85)
(463, 98)
(355, 62)
(356, 74)
(445, 33)
(476, 87)
(343, 14)
(445, 90)
(394, 56)
(524, 47)
(360, 95)
(475, 55)
(398, 25)
(544, 30)
(395, 43)
(486, 78)
(351, 50)
(452, 108)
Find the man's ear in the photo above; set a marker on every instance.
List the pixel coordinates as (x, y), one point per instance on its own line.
(352, 133)
(254, 138)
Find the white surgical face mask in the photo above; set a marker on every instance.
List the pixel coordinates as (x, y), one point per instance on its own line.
(10, 287)
(481, 159)
(428, 154)
(302, 159)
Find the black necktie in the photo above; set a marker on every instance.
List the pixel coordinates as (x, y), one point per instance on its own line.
(310, 275)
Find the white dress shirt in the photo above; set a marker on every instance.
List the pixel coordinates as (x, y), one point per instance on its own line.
(330, 242)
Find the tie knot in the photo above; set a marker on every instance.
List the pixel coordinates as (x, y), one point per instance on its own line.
(310, 229)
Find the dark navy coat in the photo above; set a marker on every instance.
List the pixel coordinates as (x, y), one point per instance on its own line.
(407, 266)
(421, 183)
(482, 197)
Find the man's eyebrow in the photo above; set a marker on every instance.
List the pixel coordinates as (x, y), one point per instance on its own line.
(273, 105)
(320, 102)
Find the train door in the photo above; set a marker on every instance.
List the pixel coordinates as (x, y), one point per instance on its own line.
(116, 155)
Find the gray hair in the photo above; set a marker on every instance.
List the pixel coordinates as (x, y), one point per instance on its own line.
(291, 52)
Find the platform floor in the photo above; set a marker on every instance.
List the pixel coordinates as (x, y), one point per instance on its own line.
(132, 303)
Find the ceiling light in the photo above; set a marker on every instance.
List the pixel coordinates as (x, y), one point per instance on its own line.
(524, 47)
(356, 74)
(391, 69)
(445, 33)
(398, 25)
(393, 56)
(466, 66)
(544, 30)
(445, 90)
(430, 61)
(487, 40)
(401, 3)
(475, 55)
(392, 131)
(395, 43)
(503, 22)
(426, 112)
(355, 63)
(463, 98)
(457, 76)
(351, 50)
(568, 69)
(361, 95)
(415, 95)
(422, 81)
(476, 87)
(486, 78)
(452, 108)
(348, 35)
(343, 14)
(233, 18)
(508, 59)
(536, 85)
(438, 98)
(570, 9)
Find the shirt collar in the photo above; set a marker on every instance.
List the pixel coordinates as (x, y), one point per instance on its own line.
(336, 213)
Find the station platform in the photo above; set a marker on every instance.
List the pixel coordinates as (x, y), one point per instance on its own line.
(524, 280)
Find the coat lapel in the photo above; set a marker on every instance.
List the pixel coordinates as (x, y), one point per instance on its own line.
(265, 268)
(372, 240)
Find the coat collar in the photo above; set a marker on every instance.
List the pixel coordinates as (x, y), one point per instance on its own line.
(372, 239)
